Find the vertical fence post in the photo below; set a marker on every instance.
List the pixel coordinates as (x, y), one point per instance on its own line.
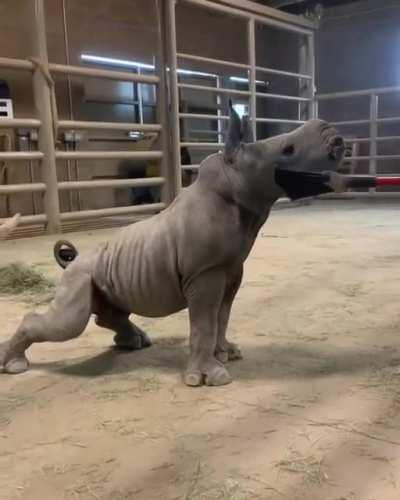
(307, 86)
(252, 74)
(168, 191)
(47, 140)
(175, 168)
(373, 133)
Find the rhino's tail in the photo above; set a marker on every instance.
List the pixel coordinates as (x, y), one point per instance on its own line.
(64, 253)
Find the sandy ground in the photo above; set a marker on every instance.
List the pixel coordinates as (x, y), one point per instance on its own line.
(314, 410)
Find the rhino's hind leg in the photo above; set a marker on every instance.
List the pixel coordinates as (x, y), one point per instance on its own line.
(65, 319)
(127, 335)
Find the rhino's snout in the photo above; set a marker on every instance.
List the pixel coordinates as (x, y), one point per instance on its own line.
(336, 147)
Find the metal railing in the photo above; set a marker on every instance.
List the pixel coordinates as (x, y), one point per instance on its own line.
(306, 74)
(48, 122)
(373, 122)
(168, 116)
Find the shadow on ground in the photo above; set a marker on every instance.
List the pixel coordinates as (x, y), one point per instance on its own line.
(266, 361)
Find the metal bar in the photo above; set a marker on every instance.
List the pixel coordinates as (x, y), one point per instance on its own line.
(30, 219)
(311, 71)
(213, 89)
(263, 10)
(280, 72)
(19, 123)
(203, 145)
(108, 155)
(37, 187)
(82, 125)
(390, 119)
(282, 97)
(21, 156)
(169, 121)
(280, 120)
(102, 73)
(10, 63)
(220, 135)
(198, 116)
(351, 122)
(46, 135)
(210, 60)
(251, 46)
(357, 93)
(107, 212)
(288, 26)
(171, 51)
(378, 139)
(376, 157)
(373, 133)
(111, 183)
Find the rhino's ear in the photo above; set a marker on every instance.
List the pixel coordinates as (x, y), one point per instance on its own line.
(233, 137)
(247, 131)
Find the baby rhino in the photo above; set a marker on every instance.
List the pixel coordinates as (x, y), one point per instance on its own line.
(190, 255)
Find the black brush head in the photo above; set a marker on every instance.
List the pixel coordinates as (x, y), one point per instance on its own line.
(297, 184)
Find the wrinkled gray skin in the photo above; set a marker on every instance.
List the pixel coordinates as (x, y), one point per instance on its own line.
(191, 255)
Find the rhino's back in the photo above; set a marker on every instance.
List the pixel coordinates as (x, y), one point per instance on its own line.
(138, 270)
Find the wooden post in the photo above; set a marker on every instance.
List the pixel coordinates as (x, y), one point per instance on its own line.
(47, 140)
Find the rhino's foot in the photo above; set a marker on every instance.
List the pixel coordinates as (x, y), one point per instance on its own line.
(12, 364)
(228, 352)
(132, 340)
(212, 373)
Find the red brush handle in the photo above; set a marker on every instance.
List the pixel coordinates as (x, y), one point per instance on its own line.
(387, 181)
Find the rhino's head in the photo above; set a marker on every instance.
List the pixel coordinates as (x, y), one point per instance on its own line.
(251, 166)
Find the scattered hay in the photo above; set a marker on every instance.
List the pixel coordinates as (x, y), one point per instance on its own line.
(309, 467)
(20, 279)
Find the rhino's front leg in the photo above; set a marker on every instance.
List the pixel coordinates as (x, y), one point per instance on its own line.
(228, 351)
(204, 296)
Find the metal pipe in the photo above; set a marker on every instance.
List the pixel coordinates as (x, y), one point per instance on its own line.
(281, 120)
(82, 125)
(311, 70)
(260, 18)
(251, 46)
(203, 145)
(32, 187)
(351, 122)
(46, 136)
(171, 47)
(30, 219)
(378, 139)
(111, 183)
(21, 155)
(108, 155)
(280, 72)
(107, 212)
(203, 116)
(213, 89)
(210, 60)
(282, 97)
(357, 93)
(19, 123)
(102, 73)
(373, 133)
(10, 63)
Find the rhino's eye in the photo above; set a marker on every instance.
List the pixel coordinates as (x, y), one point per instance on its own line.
(288, 150)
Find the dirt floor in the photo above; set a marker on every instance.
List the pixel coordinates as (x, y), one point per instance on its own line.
(313, 412)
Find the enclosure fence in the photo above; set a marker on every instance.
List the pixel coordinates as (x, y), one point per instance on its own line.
(370, 135)
(168, 86)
